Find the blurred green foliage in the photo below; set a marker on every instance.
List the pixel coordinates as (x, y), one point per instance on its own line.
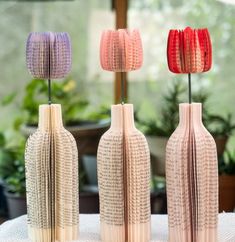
(169, 114)
(158, 183)
(62, 92)
(168, 120)
(227, 163)
(75, 109)
(12, 166)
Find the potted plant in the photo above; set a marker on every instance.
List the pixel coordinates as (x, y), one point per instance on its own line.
(80, 118)
(220, 127)
(158, 131)
(86, 122)
(227, 182)
(12, 173)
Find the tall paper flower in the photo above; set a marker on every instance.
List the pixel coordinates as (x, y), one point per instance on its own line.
(189, 50)
(191, 157)
(121, 50)
(51, 156)
(123, 156)
(48, 55)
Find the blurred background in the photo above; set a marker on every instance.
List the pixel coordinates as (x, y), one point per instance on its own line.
(87, 93)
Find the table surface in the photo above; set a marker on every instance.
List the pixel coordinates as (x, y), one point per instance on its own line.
(16, 230)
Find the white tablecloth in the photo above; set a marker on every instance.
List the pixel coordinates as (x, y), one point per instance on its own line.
(16, 230)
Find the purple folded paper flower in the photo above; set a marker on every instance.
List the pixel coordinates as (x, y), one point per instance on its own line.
(48, 55)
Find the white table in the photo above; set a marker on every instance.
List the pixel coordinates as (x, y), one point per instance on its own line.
(16, 230)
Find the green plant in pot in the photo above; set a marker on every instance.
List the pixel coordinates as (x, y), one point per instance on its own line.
(76, 109)
(85, 121)
(221, 127)
(159, 130)
(12, 173)
(227, 182)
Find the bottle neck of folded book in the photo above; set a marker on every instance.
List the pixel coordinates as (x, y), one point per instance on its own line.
(128, 112)
(117, 118)
(184, 114)
(190, 114)
(196, 114)
(50, 117)
(122, 117)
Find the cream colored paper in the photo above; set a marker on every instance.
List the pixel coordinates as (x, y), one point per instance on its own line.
(124, 180)
(192, 179)
(52, 180)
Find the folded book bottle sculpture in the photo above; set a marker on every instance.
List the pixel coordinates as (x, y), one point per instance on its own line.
(123, 153)
(191, 157)
(51, 153)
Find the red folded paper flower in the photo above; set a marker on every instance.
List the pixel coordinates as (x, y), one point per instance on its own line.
(189, 50)
(121, 50)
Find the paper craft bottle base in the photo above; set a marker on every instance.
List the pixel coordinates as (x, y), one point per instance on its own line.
(52, 180)
(124, 180)
(192, 179)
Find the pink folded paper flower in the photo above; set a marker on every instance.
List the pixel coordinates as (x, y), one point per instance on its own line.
(121, 50)
(189, 50)
(48, 55)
